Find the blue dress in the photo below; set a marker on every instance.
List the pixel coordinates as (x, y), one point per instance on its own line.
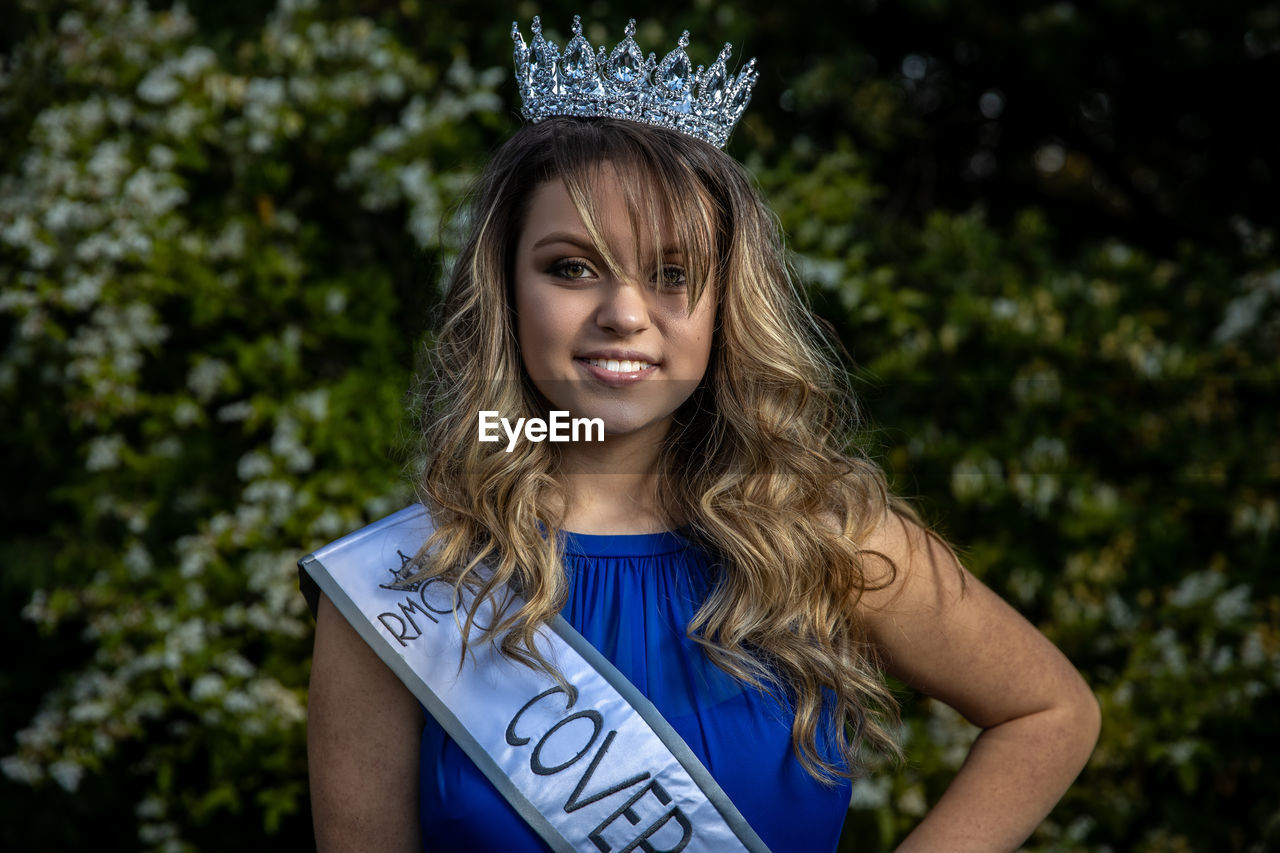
(631, 597)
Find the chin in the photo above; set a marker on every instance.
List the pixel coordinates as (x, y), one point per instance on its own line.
(623, 420)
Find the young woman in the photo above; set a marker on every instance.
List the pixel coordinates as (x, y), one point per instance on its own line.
(716, 543)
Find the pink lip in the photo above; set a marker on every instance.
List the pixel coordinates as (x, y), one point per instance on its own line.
(612, 379)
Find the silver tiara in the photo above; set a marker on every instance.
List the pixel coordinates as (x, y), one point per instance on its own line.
(623, 84)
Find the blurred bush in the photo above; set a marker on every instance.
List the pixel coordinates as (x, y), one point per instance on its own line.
(219, 240)
(1099, 435)
(214, 267)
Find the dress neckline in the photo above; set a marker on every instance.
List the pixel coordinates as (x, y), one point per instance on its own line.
(623, 544)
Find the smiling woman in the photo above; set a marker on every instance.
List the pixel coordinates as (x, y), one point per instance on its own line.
(685, 626)
(609, 332)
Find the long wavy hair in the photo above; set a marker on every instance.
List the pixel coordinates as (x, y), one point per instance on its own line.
(755, 467)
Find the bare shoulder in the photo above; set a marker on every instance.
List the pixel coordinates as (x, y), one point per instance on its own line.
(945, 633)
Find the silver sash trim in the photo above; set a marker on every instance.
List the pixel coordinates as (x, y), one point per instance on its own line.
(594, 769)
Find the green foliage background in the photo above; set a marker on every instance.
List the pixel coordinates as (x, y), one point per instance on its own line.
(1045, 235)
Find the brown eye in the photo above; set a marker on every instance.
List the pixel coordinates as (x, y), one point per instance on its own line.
(571, 270)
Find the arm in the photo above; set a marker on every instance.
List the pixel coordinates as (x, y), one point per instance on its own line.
(958, 642)
(364, 729)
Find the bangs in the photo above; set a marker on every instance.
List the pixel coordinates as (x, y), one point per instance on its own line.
(664, 196)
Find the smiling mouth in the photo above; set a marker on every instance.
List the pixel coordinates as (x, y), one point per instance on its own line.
(614, 365)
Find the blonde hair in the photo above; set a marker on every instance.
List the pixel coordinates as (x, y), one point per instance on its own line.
(755, 464)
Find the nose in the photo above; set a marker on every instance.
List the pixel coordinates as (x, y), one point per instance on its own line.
(624, 308)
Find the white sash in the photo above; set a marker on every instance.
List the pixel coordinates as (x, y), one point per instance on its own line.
(596, 769)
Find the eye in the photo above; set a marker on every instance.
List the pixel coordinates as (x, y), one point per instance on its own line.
(674, 275)
(570, 269)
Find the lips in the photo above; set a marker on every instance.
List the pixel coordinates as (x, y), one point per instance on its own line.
(616, 372)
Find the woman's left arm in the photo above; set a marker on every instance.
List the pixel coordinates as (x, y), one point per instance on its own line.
(945, 634)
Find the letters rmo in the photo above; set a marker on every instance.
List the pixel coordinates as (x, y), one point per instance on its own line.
(559, 427)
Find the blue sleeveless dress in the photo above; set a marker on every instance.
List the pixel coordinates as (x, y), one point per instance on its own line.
(631, 596)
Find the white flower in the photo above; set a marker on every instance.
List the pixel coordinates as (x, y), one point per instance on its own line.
(912, 801)
(159, 86)
(161, 157)
(1244, 313)
(335, 301)
(869, 793)
(1046, 452)
(194, 558)
(21, 232)
(264, 93)
(83, 291)
(207, 686)
(37, 609)
(238, 411)
(153, 194)
(104, 452)
(314, 404)
(253, 465)
(109, 165)
(67, 774)
(1197, 587)
(186, 413)
(182, 119)
(138, 561)
(196, 60)
(229, 245)
(20, 770)
(206, 378)
(156, 833)
(238, 702)
(94, 711)
(235, 665)
(1233, 605)
(272, 695)
(151, 808)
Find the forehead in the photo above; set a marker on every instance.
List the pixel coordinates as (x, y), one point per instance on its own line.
(619, 205)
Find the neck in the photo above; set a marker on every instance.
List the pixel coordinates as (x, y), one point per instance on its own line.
(611, 486)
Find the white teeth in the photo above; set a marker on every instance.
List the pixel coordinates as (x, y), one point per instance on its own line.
(614, 365)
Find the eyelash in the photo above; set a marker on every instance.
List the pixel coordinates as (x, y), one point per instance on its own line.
(560, 270)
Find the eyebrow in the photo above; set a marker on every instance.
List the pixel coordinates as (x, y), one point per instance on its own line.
(572, 239)
(583, 242)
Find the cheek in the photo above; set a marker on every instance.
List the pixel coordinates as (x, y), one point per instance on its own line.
(536, 334)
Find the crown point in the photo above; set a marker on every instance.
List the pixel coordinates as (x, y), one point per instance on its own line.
(631, 28)
(577, 25)
(515, 31)
(684, 39)
(537, 25)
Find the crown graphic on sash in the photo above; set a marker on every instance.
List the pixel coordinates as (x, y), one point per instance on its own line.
(584, 81)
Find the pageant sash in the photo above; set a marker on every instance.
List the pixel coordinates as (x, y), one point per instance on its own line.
(594, 769)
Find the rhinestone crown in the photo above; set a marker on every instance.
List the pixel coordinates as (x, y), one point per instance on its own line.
(624, 84)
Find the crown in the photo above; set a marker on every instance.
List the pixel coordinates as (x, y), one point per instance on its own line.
(623, 84)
